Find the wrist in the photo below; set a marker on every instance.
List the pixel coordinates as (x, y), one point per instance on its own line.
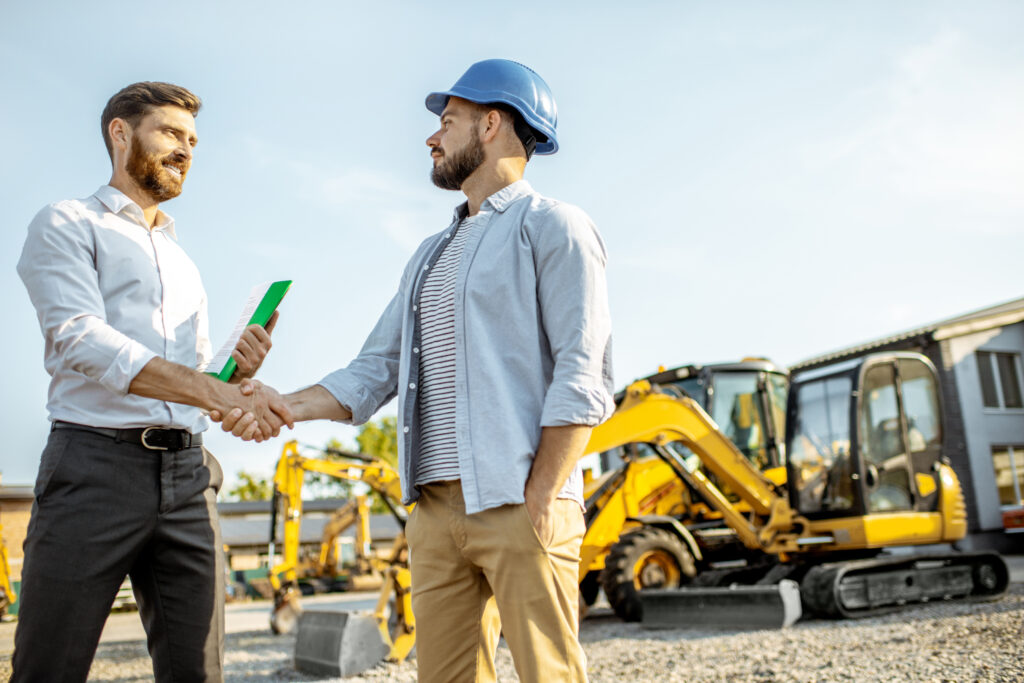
(209, 392)
(539, 495)
(302, 404)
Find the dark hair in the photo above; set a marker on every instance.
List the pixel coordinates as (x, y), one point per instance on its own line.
(528, 136)
(138, 99)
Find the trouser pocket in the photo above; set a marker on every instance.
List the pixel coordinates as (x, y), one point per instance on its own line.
(53, 454)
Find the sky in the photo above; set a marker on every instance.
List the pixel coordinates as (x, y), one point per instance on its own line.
(770, 179)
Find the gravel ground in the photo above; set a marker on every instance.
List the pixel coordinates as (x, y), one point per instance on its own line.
(936, 642)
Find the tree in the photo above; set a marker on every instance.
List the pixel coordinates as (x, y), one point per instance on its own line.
(251, 487)
(380, 439)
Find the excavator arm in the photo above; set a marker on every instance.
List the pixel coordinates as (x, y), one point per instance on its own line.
(649, 416)
(357, 467)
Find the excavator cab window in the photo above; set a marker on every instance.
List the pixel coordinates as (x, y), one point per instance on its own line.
(901, 428)
(885, 460)
(739, 407)
(818, 450)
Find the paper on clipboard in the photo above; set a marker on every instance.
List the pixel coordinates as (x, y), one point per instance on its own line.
(262, 302)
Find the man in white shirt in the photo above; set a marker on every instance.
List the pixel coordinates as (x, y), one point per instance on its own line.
(124, 486)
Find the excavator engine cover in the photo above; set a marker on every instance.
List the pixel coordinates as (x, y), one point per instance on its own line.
(338, 643)
(732, 607)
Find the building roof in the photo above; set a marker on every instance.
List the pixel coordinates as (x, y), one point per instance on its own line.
(248, 523)
(999, 315)
(16, 492)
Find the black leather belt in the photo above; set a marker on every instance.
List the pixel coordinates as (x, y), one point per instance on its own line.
(153, 438)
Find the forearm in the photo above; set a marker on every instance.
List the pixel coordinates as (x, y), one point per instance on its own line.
(560, 449)
(316, 403)
(167, 381)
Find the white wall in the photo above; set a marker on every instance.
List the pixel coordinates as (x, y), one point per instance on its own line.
(986, 426)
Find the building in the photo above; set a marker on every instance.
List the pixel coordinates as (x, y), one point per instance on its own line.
(15, 510)
(978, 356)
(245, 530)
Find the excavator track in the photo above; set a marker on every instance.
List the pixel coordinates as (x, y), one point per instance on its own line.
(864, 588)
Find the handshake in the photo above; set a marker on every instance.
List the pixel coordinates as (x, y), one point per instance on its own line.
(253, 411)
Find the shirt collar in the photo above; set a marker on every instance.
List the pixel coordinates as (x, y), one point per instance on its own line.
(500, 200)
(118, 201)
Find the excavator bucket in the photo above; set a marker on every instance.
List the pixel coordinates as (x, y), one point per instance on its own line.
(286, 613)
(338, 643)
(733, 607)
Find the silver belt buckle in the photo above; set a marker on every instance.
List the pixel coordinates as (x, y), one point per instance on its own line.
(152, 448)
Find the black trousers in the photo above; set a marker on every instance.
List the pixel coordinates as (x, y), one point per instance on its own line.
(104, 510)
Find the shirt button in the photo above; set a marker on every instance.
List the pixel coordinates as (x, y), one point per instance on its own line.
(415, 349)
(405, 430)
(412, 385)
(448, 235)
(425, 267)
(415, 307)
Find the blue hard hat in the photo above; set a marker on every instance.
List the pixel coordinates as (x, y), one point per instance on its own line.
(494, 81)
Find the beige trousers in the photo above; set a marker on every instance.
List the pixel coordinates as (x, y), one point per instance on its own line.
(477, 576)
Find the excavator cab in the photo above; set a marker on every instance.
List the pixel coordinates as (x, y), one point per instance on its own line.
(864, 437)
(746, 399)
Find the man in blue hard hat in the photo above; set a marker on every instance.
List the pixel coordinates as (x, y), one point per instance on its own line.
(498, 345)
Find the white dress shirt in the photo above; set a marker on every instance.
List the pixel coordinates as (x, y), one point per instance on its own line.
(111, 295)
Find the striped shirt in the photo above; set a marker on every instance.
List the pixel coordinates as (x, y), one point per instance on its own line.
(439, 456)
(532, 344)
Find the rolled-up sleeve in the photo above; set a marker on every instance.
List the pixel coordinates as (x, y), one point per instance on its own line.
(58, 268)
(573, 295)
(371, 379)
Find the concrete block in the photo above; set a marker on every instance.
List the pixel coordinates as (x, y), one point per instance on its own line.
(338, 643)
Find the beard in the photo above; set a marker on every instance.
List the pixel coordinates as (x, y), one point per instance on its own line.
(150, 175)
(452, 171)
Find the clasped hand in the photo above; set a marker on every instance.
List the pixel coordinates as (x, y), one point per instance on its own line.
(255, 412)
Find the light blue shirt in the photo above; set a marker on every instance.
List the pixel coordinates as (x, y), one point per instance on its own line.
(532, 340)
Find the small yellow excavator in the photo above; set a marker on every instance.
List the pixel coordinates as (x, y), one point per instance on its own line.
(646, 505)
(393, 614)
(865, 474)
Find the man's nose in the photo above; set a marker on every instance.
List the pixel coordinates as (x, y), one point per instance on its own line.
(435, 139)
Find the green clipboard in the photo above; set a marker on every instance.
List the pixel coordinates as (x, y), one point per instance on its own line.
(265, 306)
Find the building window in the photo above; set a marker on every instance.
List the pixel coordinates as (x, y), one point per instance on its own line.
(1008, 462)
(1000, 375)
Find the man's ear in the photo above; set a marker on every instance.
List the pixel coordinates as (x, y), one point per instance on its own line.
(120, 134)
(490, 125)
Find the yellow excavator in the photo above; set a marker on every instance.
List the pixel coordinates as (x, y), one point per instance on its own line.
(393, 613)
(865, 475)
(640, 498)
(7, 594)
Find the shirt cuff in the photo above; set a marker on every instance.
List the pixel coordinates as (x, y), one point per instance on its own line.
(350, 395)
(128, 363)
(572, 403)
